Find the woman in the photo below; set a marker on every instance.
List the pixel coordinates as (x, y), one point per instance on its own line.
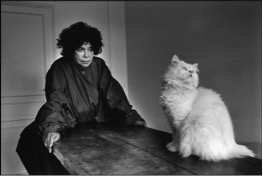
(79, 88)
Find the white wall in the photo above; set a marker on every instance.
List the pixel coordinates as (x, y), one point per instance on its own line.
(223, 37)
(29, 31)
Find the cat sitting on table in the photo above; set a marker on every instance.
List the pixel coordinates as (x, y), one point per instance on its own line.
(198, 117)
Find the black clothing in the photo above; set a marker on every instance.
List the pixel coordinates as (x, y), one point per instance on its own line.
(74, 95)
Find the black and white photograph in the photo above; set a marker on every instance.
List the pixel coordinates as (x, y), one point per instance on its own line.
(131, 87)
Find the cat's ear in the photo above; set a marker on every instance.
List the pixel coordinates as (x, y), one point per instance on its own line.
(196, 65)
(175, 60)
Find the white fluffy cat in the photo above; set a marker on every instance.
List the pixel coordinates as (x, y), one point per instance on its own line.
(199, 119)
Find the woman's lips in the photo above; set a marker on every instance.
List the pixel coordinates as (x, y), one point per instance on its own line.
(85, 62)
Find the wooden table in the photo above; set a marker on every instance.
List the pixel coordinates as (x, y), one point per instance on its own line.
(95, 148)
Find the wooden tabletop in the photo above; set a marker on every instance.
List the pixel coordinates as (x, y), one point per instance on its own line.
(95, 148)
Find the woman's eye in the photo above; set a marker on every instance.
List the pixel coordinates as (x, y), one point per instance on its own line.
(90, 50)
(79, 49)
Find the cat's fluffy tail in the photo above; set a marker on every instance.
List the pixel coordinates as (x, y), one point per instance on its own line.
(240, 151)
(236, 151)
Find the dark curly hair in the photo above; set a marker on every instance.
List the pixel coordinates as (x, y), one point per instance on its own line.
(73, 37)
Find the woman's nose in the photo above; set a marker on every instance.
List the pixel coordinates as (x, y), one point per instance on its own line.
(86, 54)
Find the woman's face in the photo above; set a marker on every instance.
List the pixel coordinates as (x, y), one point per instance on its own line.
(84, 55)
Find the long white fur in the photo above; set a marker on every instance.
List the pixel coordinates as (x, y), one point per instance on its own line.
(198, 117)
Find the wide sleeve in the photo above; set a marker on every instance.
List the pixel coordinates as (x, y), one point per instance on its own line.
(116, 98)
(55, 115)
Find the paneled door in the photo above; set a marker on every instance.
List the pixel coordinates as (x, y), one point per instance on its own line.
(27, 51)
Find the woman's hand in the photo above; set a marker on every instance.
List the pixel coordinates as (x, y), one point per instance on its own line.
(51, 139)
(140, 123)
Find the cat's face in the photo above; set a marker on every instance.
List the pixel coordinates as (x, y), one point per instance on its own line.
(182, 72)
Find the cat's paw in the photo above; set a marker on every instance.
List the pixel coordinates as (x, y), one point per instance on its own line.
(185, 151)
(172, 147)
